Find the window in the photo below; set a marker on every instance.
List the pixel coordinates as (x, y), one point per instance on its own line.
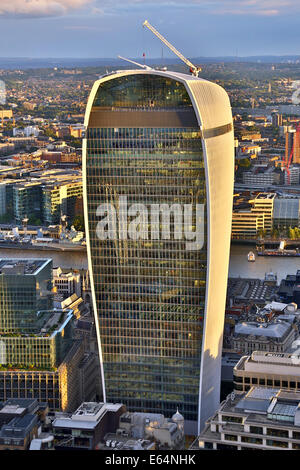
(230, 437)
(277, 432)
(256, 430)
(273, 443)
(237, 379)
(232, 419)
(251, 440)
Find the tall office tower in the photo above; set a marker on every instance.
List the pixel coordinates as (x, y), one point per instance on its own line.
(159, 139)
(40, 357)
(277, 120)
(296, 156)
(289, 141)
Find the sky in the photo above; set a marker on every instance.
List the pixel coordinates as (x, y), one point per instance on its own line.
(107, 28)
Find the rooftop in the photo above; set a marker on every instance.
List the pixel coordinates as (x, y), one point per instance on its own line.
(276, 330)
(265, 405)
(87, 416)
(22, 266)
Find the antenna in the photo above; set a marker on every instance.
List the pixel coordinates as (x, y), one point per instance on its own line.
(135, 63)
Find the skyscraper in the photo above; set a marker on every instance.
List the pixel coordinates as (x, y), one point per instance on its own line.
(159, 140)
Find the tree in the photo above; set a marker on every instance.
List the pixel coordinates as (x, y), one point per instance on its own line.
(78, 223)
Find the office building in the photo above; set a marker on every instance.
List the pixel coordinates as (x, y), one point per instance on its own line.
(286, 213)
(292, 177)
(263, 204)
(87, 426)
(60, 198)
(20, 422)
(273, 336)
(27, 201)
(158, 138)
(266, 369)
(261, 419)
(254, 218)
(39, 355)
(277, 120)
(261, 178)
(289, 143)
(66, 283)
(25, 289)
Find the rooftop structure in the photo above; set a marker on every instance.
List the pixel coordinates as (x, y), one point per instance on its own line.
(274, 336)
(262, 418)
(269, 370)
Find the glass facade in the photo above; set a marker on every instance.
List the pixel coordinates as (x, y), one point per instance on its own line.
(25, 288)
(150, 294)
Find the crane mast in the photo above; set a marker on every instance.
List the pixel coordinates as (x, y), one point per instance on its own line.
(193, 68)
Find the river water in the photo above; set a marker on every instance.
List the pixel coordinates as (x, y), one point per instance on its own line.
(239, 265)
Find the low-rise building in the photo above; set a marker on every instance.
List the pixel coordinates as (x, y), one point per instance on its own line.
(87, 426)
(20, 422)
(267, 369)
(262, 419)
(66, 283)
(273, 336)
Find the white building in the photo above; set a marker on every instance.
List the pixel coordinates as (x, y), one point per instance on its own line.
(66, 283)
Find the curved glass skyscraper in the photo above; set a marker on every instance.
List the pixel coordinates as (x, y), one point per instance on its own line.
(158, 185)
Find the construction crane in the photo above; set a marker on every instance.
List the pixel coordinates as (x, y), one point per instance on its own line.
(193, 68)
(296, 145)
(135, 63)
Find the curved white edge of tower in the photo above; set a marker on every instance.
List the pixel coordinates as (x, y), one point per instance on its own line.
(213, 111)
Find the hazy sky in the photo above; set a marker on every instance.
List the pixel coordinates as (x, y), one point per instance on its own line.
(105, 28)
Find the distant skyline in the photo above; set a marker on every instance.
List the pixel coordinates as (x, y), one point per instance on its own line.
(102, 28)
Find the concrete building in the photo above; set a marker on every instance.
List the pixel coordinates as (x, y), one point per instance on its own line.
(267, 369)
(20, 422)
(166, 433)
(261, 419)
(261, 178)
(87, 426)
(254, 220)
(293, 176)
(169, 301)
(66, 283)
(263, 205)
(274, 336)
(60, 198)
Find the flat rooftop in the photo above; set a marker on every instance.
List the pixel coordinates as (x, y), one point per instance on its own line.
(87, 416)
(22, 266)
(266, 195)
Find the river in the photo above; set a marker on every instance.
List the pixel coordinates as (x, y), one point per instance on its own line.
(239, 265)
